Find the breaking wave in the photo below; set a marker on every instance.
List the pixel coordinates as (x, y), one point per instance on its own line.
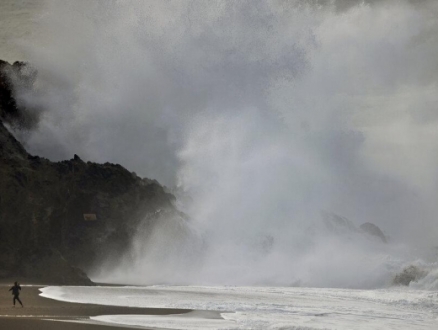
(258, 115)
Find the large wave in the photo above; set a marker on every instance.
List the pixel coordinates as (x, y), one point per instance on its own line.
(260, 115)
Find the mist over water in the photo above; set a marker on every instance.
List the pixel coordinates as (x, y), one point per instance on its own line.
(262, 115)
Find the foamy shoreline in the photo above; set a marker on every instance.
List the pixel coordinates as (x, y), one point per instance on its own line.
(40, 313)
(243, 308)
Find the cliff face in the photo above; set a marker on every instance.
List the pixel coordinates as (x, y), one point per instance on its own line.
(23, 76)
(58, 218)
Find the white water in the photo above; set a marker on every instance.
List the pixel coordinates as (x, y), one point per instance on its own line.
(264, 113)
(264, 307)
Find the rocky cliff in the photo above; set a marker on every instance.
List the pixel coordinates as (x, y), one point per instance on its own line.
(58, 218)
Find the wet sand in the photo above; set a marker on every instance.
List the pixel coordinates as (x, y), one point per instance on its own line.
(44, 314)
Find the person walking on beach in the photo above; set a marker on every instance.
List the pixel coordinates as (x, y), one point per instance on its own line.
(16, 292)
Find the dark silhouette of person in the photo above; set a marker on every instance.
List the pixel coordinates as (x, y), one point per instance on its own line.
(16, 292)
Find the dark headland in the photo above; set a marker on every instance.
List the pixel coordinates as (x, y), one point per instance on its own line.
(58, 218)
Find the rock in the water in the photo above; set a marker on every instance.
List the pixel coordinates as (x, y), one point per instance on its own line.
(373, 230)
(408, 275)
(337, 224)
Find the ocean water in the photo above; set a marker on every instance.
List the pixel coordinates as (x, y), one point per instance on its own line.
(263, 307)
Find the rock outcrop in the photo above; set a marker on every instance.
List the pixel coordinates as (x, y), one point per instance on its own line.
(373, 230)
(58, 218)
(409, 274)
(341, 226)
(337, 224)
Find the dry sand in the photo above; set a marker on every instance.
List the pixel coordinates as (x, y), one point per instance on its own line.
(43, 314)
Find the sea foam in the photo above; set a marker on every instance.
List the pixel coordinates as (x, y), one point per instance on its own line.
(264, 307)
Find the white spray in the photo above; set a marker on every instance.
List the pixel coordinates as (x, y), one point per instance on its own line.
(265, 114)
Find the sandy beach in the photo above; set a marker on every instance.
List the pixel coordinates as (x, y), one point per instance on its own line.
(44, 314)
